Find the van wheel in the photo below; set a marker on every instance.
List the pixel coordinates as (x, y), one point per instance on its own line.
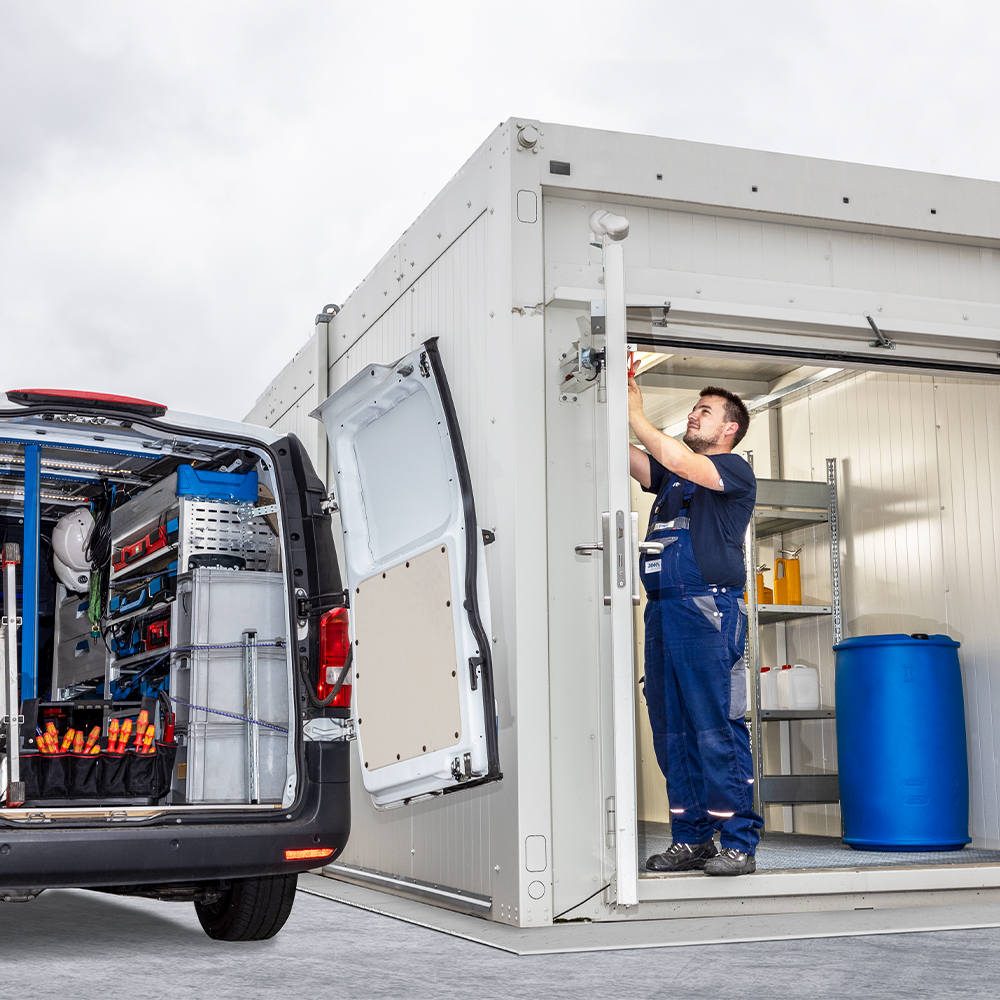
(251, 909)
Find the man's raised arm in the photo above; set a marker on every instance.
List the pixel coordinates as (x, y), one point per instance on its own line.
(673, 455)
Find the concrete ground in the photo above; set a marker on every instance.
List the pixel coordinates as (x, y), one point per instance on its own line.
(71, 943)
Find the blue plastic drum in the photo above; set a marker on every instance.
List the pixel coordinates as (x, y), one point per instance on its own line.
(904, 769)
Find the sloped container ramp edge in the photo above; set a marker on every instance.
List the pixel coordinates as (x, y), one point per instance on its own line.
(424, 708)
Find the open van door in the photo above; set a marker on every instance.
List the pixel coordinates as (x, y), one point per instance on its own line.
(424, 709)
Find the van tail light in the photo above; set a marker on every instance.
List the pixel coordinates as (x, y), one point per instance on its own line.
(334, 645)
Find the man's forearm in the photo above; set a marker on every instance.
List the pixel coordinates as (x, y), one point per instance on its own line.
(669, 453)
(674, 455)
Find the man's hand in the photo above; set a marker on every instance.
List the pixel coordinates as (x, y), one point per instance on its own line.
(634, 397)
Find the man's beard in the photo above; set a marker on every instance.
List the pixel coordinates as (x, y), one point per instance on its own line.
(698, 444)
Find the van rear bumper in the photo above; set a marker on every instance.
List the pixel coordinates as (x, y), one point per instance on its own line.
(186, 848)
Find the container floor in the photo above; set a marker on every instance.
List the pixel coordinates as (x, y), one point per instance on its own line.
(800, 851)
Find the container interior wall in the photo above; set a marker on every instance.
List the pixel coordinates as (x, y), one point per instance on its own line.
(446, 840)
(918, 487)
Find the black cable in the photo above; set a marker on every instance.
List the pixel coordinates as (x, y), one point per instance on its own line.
(324, 702)
(582, 901)
(98, 549)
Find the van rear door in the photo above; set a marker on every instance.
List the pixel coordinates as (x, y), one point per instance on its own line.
(424, 708)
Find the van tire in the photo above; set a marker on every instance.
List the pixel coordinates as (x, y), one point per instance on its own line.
(252, 909)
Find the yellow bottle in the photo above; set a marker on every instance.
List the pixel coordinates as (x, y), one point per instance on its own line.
(764, 594)
(788, 578)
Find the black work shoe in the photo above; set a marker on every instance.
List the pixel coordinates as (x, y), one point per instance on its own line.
(682, 857)
(729, 861)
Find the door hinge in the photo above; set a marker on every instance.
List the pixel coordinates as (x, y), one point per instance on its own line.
(461, 767)
(609, 809)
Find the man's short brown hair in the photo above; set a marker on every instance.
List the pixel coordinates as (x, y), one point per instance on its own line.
(736, 410)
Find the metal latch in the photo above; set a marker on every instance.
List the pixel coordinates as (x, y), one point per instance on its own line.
(475, 662)
(580, 368)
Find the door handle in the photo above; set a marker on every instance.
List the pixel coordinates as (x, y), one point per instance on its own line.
(604, 547)
(651, 548)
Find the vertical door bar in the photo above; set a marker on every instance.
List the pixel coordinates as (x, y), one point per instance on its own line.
(12, 716)
(620, 506)
(253, 730)
(29, 585)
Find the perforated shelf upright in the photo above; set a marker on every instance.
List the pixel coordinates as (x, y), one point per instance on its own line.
(786, 505)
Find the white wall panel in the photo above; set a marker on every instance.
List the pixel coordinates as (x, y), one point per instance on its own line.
(700, 243)
(447, 840)
(968, 415)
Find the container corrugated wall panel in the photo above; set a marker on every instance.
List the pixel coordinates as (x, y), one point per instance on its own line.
(444, 840)
(968, 415)
(918, 499)
(287, 402)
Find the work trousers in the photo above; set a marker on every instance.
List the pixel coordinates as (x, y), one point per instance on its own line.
(695, 691)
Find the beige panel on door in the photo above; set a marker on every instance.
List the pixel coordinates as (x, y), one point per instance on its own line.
(406, 691)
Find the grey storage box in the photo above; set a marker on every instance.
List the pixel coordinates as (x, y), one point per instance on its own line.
(229, 759)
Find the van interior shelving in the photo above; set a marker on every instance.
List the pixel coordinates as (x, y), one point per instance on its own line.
(189, 636)
(882, 429)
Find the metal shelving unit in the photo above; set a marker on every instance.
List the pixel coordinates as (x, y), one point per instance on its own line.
(785, 505)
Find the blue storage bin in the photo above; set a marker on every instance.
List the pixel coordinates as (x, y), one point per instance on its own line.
(904, 772)
(205, 485)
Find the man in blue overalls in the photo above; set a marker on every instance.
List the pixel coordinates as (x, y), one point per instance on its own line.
(695, 629)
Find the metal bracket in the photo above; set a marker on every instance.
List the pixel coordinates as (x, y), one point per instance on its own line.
(18, 720)
(883, 340)
(245, 513)
(10, 621)
(329, 505)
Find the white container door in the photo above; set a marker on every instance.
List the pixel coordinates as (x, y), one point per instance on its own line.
(622, 589)
(424, 710)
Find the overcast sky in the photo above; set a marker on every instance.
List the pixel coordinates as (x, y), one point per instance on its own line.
(176, 178)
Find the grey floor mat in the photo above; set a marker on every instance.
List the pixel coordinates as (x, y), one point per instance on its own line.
(797, 851)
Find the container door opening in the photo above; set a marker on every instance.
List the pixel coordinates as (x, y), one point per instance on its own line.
(870, 483)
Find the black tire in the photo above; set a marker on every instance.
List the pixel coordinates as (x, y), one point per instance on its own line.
(251, 909)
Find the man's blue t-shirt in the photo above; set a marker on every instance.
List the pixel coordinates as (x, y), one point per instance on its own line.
(719, 518)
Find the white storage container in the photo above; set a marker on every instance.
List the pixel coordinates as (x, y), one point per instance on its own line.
(732, 254)
(768, 687)
(798, 688)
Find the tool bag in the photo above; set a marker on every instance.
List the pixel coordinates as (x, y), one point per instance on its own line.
(102, 776)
